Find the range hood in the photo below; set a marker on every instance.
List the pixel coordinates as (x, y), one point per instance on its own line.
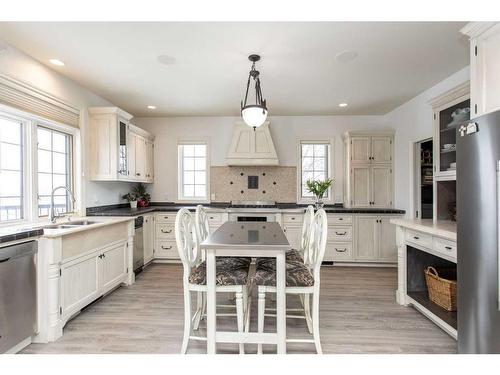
(251, 147)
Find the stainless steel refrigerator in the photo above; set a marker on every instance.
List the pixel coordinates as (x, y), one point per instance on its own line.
(478, 210)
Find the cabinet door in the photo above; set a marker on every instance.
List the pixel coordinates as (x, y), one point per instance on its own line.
(103, 142)
(381, 149)
(79, 283)
(360, 149)
(360, 186)
(132, 144)
(485, 72)
(381, 186)
(293, 234)
(149, 161)
(366, 238)
(148, 238)
(140, 158)
(387, 248)
(113, 266)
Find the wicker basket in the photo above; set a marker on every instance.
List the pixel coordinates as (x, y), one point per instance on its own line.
(442, 287)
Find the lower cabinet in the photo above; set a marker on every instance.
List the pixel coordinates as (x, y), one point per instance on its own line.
(148, 237)
(86, 278)
(375, 239)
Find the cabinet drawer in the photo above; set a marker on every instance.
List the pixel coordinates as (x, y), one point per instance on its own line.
(165, 230)
(214, 218)
(445, 247)
(419, 238)
(339, 219)
(166, 249)
(339, 251)
(336, 233)
(166, 217)
(292, 218)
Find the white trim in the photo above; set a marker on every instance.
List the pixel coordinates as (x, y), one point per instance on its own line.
(197, 141)
(331, 172)
(30, 167)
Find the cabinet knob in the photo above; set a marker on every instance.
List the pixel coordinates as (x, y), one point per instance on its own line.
(447, 247)
(137, 174)
(416, 238)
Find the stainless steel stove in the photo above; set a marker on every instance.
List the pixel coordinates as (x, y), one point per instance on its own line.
(252, 211)
(253, 204)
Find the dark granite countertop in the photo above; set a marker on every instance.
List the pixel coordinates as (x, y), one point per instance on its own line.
(124, 210)
(16, 233)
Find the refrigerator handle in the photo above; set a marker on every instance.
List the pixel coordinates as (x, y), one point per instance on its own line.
(498, 231)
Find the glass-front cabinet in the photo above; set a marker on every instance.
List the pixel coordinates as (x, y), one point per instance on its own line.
(451, 110)
(122, 149)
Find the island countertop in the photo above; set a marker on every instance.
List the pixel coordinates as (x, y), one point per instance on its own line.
(442, 228)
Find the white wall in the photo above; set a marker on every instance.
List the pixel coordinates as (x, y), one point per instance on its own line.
(413, 122)
(22, 67)
(286, 130)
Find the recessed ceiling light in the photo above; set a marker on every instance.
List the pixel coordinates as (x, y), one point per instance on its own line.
(56, 62)
(346, 56)
(166, 60)
(343, 105)
(151, 107)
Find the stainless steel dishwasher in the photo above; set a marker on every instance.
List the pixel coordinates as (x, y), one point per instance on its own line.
(17, 293)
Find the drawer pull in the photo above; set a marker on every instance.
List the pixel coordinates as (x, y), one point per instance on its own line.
(341, 218)
(341, 250)
(211, 217)
(416, 238)
(340, 234)
(166, 248)
(447, 247)
(292, 218)
(166, 231)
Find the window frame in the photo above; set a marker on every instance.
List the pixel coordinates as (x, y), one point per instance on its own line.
(330, 168)
(63, 130)
(26, 205)
(180, 171)
(30, 163)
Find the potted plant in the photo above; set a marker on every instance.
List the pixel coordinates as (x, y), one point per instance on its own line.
(319, 188)
(132, 199)
(143, 197)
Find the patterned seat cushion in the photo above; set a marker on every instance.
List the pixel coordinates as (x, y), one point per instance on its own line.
(297, 274)
(292, 257)
(229, 271)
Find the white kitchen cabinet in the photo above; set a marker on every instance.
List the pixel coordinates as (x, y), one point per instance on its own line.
(360, 149)
(118, 148)
(86, 278)
(150, 160)
(148, 237)
(375, 239)
(113, 266)
(361, 187)
(369, 180)
(381, 192)
(79, 283)
(484, 63)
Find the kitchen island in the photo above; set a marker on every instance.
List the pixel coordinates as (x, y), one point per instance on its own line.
(422, 243)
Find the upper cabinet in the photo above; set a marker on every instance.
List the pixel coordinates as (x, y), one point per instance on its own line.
(484, 66)
(119, 151)
(369, 179)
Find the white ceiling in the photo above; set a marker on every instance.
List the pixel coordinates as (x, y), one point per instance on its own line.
(299, 72)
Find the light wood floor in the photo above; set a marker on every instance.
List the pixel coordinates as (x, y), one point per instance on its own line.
(358, 315)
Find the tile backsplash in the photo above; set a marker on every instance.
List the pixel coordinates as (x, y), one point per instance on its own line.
(254, 183)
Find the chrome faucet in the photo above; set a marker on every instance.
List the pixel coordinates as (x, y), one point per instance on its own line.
(52, 215)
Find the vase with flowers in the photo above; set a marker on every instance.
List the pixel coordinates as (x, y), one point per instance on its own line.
(319, 188)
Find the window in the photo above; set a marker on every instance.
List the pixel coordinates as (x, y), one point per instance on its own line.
(192, 171)
(11, 170)
(314, 165)
(54, 169)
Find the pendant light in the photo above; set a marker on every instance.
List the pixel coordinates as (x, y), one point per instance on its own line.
(254, 114)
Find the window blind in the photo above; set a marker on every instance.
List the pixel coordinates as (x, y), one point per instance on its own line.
(19, 95)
